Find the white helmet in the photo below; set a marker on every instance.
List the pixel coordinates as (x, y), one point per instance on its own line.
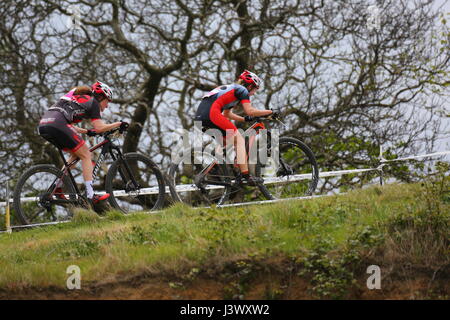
(102, 88)
(251, 78)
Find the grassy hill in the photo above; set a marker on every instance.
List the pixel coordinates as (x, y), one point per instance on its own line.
(317, 248)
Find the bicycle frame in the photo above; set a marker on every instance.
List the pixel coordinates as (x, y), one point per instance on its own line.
(257, 127)
(107, 147)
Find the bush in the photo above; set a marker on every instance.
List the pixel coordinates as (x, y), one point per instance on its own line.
(333, 272)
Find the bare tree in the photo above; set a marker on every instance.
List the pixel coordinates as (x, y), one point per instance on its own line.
(344, 87)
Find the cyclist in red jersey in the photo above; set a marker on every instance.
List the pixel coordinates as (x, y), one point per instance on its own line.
(56, 126)
(215, 112)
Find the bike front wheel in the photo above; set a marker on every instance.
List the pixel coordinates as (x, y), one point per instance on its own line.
(35, 200)
(135, 183)
(296, 173)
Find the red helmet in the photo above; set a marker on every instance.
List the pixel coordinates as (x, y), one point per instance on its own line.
(102, 88)
(250, 78)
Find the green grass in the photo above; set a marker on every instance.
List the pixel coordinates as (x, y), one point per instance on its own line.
(326, 234)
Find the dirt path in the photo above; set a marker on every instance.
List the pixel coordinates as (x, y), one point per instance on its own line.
(263, 287)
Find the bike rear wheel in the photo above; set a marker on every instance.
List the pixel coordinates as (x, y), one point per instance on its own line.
(33, 200)
(295, 175)
(193, 176)
(135, 183)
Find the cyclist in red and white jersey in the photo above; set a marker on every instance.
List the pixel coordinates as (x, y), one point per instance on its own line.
(56, 126)
(215, 112)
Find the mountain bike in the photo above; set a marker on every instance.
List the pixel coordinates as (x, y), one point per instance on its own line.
(201, 178)
(45, 193)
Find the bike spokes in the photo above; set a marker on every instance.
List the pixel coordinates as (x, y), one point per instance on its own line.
(135, 184)
(200, 180)
(296, 172)
(36, 200)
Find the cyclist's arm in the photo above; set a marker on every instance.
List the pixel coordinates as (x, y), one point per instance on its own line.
(100, 126)
(232, 116)
(253, 112)
(79, 130)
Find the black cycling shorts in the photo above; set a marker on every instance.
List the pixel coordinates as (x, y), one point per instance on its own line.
(54, 128)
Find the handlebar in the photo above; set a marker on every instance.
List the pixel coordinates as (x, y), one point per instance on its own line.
(269, 117)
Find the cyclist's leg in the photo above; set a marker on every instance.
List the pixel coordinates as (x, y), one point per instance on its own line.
(85, 156)
(86, 163)
(231, 137)
(61, 134)
(65, 137)
(241, 156)
(74, 143)
(80, 150)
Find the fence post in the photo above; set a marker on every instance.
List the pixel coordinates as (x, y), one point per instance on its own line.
(380, 167)
(7, 213)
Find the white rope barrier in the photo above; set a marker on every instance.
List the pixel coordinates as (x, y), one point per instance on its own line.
(192, 187)
(37, 225)
(417, 157)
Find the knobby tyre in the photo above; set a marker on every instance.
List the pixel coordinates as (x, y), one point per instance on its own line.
(135, 183)
(297, 169)
(185, 173)
(32, 200)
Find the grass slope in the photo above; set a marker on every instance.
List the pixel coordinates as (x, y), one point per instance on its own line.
(326, 242)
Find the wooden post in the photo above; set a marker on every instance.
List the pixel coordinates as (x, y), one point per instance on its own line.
(7, 213)
(380, 167)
